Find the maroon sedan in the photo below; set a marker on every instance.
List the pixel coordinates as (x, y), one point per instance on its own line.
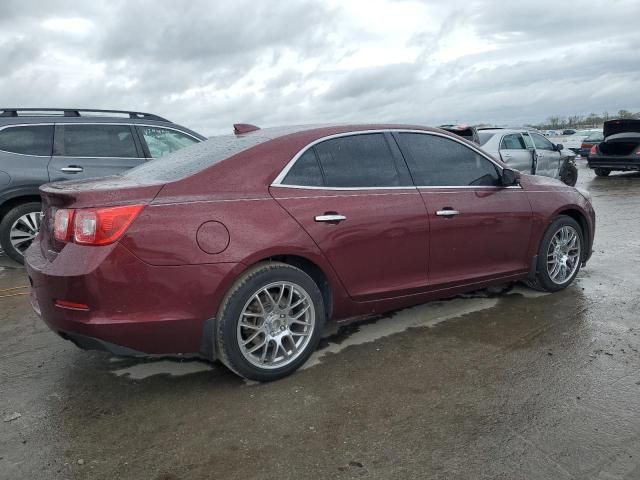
(241, 247)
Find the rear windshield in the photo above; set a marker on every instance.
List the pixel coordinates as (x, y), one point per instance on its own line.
(596, 137)
(485, 137)
(193, 159)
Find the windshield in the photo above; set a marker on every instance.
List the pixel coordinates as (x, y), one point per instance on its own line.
(190, 160)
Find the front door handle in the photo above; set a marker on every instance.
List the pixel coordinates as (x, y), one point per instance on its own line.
(330, 218)
(72, 169)
(447, 212)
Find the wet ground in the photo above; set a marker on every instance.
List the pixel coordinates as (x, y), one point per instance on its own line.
(510, 385)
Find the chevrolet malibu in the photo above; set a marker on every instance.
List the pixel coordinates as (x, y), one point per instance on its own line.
(242, 247)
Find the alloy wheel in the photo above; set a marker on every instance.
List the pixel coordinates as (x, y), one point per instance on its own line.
(276, 325)
(563, 254)
(24, 230)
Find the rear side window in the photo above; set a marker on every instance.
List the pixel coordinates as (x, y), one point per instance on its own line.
(485, 137)
(440, 161)
(99, 141)
(27, 140)
(513, 141)
(358, 161)
(305, 172)
(162, 141)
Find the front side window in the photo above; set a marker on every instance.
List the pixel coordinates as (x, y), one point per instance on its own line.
(358, 161)
(27, 140)
(527, 141)
(99, 141)
(162, 141)
(513, 141)
(440, 161)
(541, 143)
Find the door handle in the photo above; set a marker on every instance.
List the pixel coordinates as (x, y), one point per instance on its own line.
(331, 218)
(72, 169)
(447, 212)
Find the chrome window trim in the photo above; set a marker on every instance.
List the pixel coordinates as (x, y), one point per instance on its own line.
(12, 125)
(277, 182)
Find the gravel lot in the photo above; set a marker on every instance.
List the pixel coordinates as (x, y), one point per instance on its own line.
(510, 384)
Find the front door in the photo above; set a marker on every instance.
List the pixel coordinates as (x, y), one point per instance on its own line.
(93, 150)
(548, 156)
(353, 195)
(478, 229)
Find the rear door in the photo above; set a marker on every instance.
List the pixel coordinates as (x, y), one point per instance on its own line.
(93, 150)
(160, 141)
(25, 151)
(548, 163)
(514, 152)
(478, 229)
(354, 196)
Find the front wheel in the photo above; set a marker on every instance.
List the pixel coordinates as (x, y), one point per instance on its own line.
(18, 229)
(569, 174)
(270, 322)
(602, 172)
(559, 255)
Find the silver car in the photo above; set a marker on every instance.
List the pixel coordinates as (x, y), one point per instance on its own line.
(529, 152)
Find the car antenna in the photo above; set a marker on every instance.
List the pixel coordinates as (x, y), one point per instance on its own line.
(239, 128)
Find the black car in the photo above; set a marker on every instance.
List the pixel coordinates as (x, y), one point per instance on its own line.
(620, 149)
(43, 145)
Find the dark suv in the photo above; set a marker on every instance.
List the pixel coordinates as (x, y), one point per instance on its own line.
(38, 146)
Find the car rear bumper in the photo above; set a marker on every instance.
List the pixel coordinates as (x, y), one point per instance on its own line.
(133, 308)
(629, 162)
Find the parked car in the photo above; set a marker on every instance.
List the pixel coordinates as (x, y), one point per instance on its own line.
(589, 142)
(464, 131)
(573, 142)
(47, 145)
(529, 152)
(619, 150)
(568, 131)
(240, 248)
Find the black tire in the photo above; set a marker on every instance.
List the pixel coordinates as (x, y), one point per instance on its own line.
(543, 279)
(569, 174)
(602, 172)
(5, 229)
(229, 315)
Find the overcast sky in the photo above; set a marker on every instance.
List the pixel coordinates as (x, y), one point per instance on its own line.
(209, 64)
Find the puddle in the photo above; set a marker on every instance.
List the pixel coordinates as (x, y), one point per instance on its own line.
(339, 337)
(162, 367)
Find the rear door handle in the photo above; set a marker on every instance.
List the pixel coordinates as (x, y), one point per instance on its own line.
(72, 169)
(447, 213)
(331, 218)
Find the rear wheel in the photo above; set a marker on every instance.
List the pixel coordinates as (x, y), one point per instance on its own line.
(18, 229)
(559, 255)
(270, 322)
(602, 172)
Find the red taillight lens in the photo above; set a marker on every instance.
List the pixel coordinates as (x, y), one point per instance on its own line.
(62, 224)
(101, 226)
(593, 150)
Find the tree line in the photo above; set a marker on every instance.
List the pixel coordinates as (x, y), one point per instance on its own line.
(556, 122)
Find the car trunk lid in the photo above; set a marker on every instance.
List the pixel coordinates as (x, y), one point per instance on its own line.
(103, 192)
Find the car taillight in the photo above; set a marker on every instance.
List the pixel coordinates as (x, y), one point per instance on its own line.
(593, 150)
(62, 225)
(101, 226)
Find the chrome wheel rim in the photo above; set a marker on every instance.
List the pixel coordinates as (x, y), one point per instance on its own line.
(24, 230)
(276, 325)
(563, 255)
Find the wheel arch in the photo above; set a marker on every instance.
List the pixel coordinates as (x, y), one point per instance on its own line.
(581, 218)
(13, 202)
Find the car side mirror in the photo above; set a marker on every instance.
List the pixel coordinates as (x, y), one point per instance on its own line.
(509, 177)
(559, 147)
